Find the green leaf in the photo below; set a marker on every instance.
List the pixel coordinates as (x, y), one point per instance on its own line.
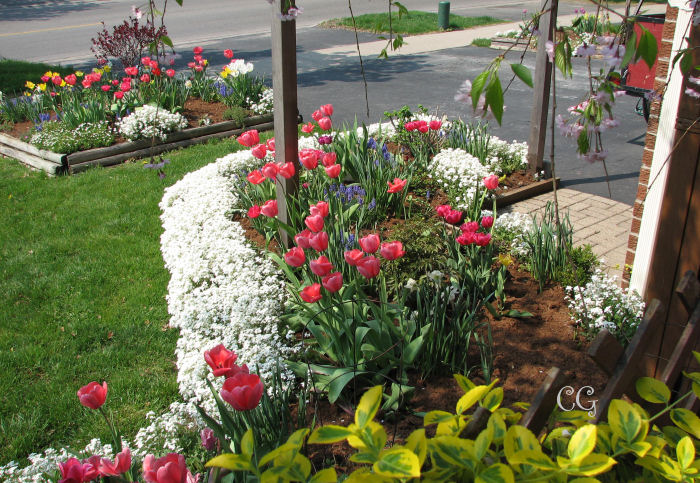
(498, 426)
(470, 398)
(478, 87)
(494, 98)
(325, 476)
(341, 377)
(417, 443)
(624, 420)
(519, 438)
(582, 443)
(493, 399)
(647, 47)
(437, 417)
(591, 465)
(686, 61)
(397, 463)
(453, 450)
(517, 314)
(685, 452)
(230, 461)
(653, 390)
(523, 73)
(498, 473)
(166, 40)
(247, 443)
(482, 442)
(464, 382)
(368, 406)
(535, 458)
(328, 434)
(665, 467)
(687, 421)
(630, 51)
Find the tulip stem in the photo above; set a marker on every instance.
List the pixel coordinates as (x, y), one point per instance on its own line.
(115, 437)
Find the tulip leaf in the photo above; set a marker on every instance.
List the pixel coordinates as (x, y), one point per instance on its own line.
(478, 87)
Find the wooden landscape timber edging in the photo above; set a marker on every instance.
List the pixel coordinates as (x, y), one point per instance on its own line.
(514, 195)
(54, 163)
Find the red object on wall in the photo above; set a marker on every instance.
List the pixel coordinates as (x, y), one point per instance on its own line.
(639, 75)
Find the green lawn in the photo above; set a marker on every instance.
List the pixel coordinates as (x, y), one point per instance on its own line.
(415, 22)
(83, 298)
(15, 73)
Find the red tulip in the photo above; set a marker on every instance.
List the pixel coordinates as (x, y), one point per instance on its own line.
(325, 123)
(311, 293)
(435, 125)
(125, 86)
(198, 68)
(270, 143)
(370, 243)
(470, 227)
(353, 257)
(198, 50)
(397, 186)
(86, 83)
(327, 109)
(145, 60)
(319, 241)
(156, 71)
(57, 80)
(270, 170)
(228, 53)
(170, 73)
(269, 208)
(314, 223)
(487, 221)
(482, 239)
(392, 250)
(259, 151)
(71, 79)
(254, 211)
(255, 177)
(93, 395)
(105, 88)
(121, 464)
(317, 114)
(453, 217)
(287, 170)
(410, 126)
(302, 239)
(308, 128)
(191, 65)
(320, 208)
(466, 238)
(443, 210)
(491, 182)
(222, 361)
(145, 78)
(45, 78)
(321, 266)
(171, 468)
(295, 257)
(115, 82)
(369, 266)
(333, 171)
(249, 138)
(423, 127)
(119, 95)
(73, 471)
(333, 282)
(309, 158)
(131, 71)
(329, 159)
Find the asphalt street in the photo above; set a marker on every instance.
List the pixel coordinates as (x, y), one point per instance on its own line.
(431, 79)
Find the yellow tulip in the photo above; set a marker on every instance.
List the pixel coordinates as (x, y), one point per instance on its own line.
(79, 73)
(29, 85)
(42, 86)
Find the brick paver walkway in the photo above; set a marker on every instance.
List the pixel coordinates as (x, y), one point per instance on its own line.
(601, 222)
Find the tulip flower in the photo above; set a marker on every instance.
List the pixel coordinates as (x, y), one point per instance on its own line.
(308, 128)
(333, 171)
(209, 441)
(93, 395)
(329, 159)
(198, 50)
(435, 125)
(145, 78)
(321, 266)
(325, 139)
(171, 468)
(369, 266)
(287, 170)
(482, 239)
(56, 80)
(269, 208)
(487, 221)
(443, 210)
(370, 243)
(469, 227)
(295, 257)
(259, 151)
(353, 257)
(120, 465)
(491, 182)
(270, 170)
(453, 217)
(327, 109)
(124, 86)
(410, 126)
(73, 470)
(270, 143)
(228, 53)
(170, 73)
(466, 238)
(397, 186)
(254, 211)
(105, 88)
(86, 83)
(325, 123)
(119, 95)
(222, 362)
(249, 138)
(302, 239)
(309, 158)
(131, 71)
(318, 241)
(333, 282)
(71, 79)
(320, 208)
(145, 60)
(255, 177)
(317, 114)
(392, 250)
(311, 293)
(423, 127)
(314, 223)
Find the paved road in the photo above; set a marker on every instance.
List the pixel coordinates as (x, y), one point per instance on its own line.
(431, 79)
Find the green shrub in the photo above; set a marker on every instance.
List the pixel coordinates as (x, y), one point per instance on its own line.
(547, 244)
(235, 113)
(56, 136)
(584, 264)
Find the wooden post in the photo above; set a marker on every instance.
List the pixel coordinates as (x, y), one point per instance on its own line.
(284, 85)
(543, 76)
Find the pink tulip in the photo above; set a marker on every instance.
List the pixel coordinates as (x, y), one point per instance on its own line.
(314, 223)
(228, 53)
(435, 125)
(329, 159)
(269, 208)
(320, 208)
(93, 395)
(131, 71)
(311, 293)
(270, 170)
(125, 86)
(86, 83)
(71, 79)
(57, 80)
(198, 50)
(423, 126)
(453, 217)
(73, 471)
(120, 465)
(321, 266)
(222, 361)
(171, 468)
(295, 257)
(353, 257)
(254, 211)
(482, 239)
(170, 73)
(249, 138)
(106, 88)
(302, 239)
(309, 158)
(327, 109)
(470, 227)
(256, 177)
(325, 123)
(370, 243)
(145, 60)
(333, 282)
(392, 250)
(443, 210)
(287, 170)
(491, 182)
(308, 128)
(487, 221)
(270, 143)
(119, 95)
(145, 78)
(397, 186)
(317, 114)
(259, 151)
(333, 171)
(369, 266)
(319, 241)
(466, 238)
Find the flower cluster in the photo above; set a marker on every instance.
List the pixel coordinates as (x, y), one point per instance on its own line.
(151, 121)
(471, 232)
(198, 63)
(241, 389)
(460, 174)
(602, 304)
(59, 138)
(513, 228)
(322, 116)
(236, 68)
(264, 104)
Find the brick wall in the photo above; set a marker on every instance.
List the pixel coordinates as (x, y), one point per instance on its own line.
(664, 60)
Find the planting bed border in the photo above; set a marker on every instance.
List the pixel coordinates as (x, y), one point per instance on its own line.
(518, 194)
(55, 163)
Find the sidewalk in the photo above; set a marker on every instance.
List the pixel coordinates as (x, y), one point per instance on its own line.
(601, 222)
